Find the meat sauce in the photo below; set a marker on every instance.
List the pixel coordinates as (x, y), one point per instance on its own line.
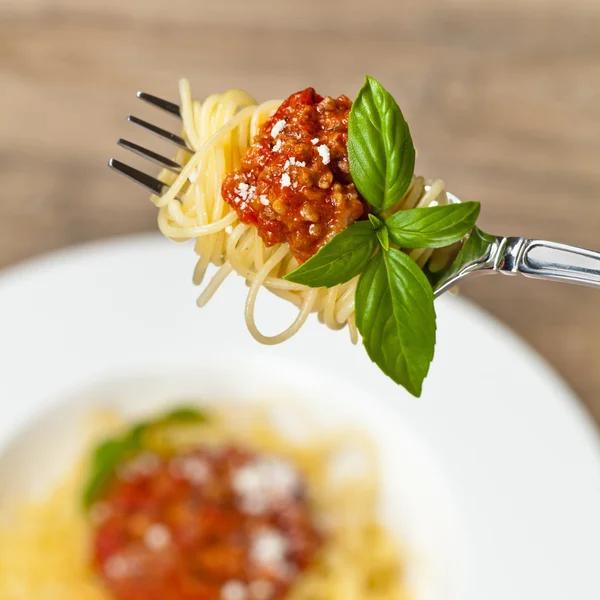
(294, 184)
(210, 524)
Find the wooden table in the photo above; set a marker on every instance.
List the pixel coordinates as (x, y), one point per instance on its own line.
(503, 98)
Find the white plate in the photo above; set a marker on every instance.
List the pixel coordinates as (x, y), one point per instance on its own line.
(492, 479)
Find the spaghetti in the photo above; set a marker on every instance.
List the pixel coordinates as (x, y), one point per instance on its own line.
(220, 131)
(45, 548)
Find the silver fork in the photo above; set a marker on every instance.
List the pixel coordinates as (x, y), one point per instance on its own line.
(484, 253)
(481, 253)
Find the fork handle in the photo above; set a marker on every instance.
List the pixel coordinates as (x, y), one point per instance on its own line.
(549, 260)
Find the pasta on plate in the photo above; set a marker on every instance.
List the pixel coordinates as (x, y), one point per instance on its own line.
(206, 505)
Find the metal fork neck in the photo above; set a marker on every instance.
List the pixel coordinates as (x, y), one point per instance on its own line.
(508, 254)
(546, 260)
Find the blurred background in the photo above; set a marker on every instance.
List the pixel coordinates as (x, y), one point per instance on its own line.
(502, 96)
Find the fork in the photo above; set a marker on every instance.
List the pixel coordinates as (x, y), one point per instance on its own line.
(481, 253)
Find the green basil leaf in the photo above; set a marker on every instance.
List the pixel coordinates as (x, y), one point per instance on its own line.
(113, 451)
(105, 459)
(432, 227)
(182, 415)
(396, 318)
(384, 237)
(375, 221)
(474, 251)
(380, 149)
(341, 259)
(381, 231)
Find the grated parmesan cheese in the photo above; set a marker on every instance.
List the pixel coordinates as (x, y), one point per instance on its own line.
(192, 468)
(323, 150)
(278, 128)
(277, 146)
(157, 537)
(263, 483)
(314, 141)
(268, 549)
(285, 180)
(117, 567)
(245, 191)
(233, 590)
(264, 200)
(293, 162)
(242, 189)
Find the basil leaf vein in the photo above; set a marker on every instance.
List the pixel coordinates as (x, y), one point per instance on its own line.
(396, 318)
(341, 259)
(380, 148)
(432, 227)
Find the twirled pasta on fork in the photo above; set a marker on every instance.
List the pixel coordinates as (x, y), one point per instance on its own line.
(315, 199)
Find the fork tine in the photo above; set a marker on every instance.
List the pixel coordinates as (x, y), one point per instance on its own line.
(157, 159)
(165, 105)
(146, 181)
(162, 133)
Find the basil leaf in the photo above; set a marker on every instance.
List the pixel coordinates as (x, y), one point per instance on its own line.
(110, 453)
(474, 251)
(380, 149)
(375, 221)
(341, 259)
(381, 231)
(396, 318)
(181, 415)
(383, 237)
(105, 459)
(432, 227)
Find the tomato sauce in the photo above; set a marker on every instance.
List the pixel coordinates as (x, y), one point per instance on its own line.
(210, 524)
(294, 184)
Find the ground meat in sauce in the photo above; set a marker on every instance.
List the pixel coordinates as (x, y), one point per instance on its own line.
(295, 184)
(225, 524)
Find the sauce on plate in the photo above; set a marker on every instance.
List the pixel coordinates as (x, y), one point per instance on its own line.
(208, 524)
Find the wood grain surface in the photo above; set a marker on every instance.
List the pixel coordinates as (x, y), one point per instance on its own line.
(503, 98)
